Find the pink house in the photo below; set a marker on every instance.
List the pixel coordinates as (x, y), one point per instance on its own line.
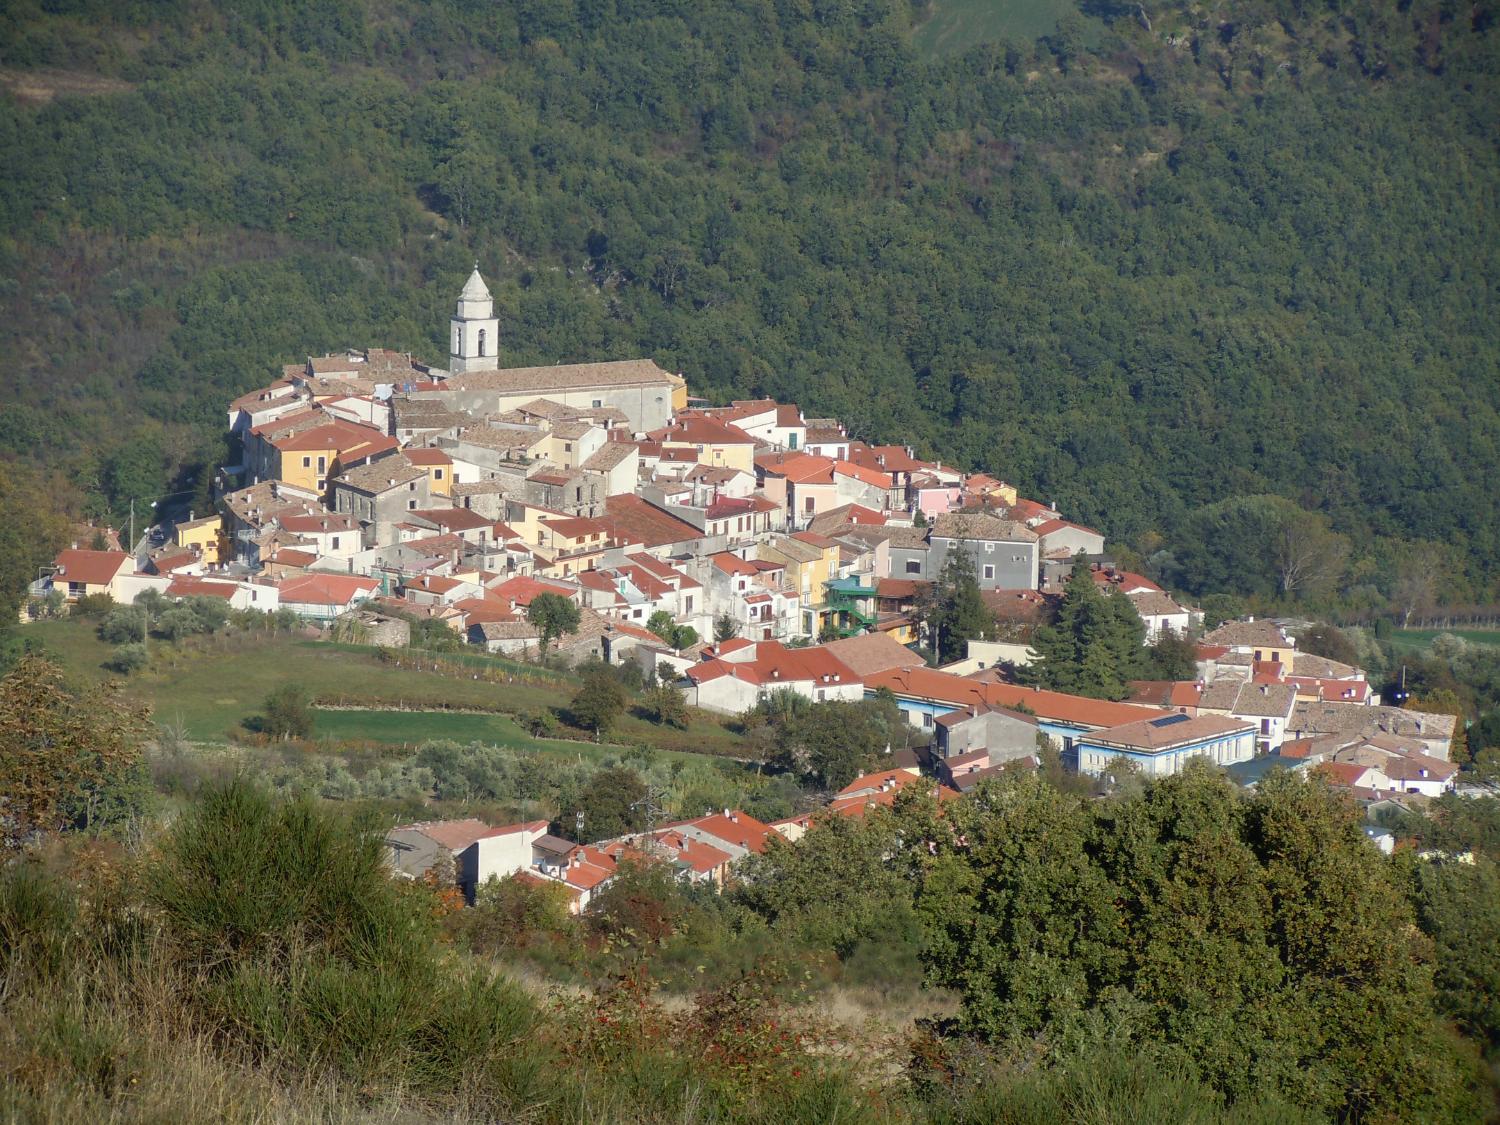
(934, 497)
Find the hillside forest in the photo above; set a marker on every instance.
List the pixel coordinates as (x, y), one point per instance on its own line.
(1217, 278)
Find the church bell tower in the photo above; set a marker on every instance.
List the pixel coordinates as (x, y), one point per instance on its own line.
(474, 338)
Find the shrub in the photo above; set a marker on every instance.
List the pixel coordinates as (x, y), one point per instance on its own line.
(288, 713)
(128, 658)
(94, 605)
(667, 705)
(122, 624)
(302, 948)
(515, 913)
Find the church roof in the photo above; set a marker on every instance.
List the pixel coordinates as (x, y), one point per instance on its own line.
(564, 377)
(475, 288)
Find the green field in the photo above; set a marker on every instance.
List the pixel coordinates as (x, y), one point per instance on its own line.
(1416, 639)
(210, 686)
(957, 25)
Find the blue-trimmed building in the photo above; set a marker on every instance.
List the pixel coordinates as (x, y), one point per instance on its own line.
(1164, 745)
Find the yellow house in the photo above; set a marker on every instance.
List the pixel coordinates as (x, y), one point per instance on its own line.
(988, 488)
(812, 561)
(441, 474)
(206, 535)
(574, 543)
(79, 573)
(1261, 641)
(312, 451)
(713, 442)
(526, 521)
(569, 444)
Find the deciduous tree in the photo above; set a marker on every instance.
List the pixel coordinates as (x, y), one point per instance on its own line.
(553, 615)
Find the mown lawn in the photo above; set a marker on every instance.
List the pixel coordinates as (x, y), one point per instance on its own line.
(209, 686)
(957, 25)
(1416, 639)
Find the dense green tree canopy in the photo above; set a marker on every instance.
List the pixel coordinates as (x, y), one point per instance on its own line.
(1262, 942)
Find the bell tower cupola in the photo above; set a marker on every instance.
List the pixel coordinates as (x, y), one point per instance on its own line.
(474, 338)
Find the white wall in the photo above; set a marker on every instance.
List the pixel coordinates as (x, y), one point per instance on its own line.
(502, 856)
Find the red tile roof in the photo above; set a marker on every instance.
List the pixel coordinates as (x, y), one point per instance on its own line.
(799, 468)
(453, 519)
(886, 458)
(95, 568)
(188, 586)
(872, 477)
(632, 520)
(325, 589)
(700, 430)
(455, 835)
(523, 588)
(335, 435)
(737, 828)
(927, 683)
(1346, 774)
(427, 456)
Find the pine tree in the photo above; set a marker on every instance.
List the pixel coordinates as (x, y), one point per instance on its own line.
(1094, 647)
(953, 611)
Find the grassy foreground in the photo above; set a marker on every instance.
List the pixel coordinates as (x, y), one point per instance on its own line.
(256, 963)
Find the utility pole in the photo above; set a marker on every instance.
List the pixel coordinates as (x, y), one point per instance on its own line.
(650, 806)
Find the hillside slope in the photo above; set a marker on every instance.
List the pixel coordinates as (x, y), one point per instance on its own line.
(1134, 271)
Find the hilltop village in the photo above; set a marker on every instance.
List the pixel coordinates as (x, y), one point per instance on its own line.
(735, 551)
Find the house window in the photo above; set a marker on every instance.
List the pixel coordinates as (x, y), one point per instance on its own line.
(927, 721)
(1259, 655)
(481, 341)
(567, 447)
(458, 341)
(307, 462)
(335, 543)
(687, 604)
(412, 487)
(913, 566)
(989, 548)
(808, 505)
(598, 402)
(765, 634)
(322, 464)
(989, 572)
(437, 474)
(411, 505)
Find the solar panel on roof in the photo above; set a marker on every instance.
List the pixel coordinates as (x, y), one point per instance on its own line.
(1169, 720)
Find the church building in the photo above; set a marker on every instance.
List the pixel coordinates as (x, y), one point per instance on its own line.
(647, 395)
